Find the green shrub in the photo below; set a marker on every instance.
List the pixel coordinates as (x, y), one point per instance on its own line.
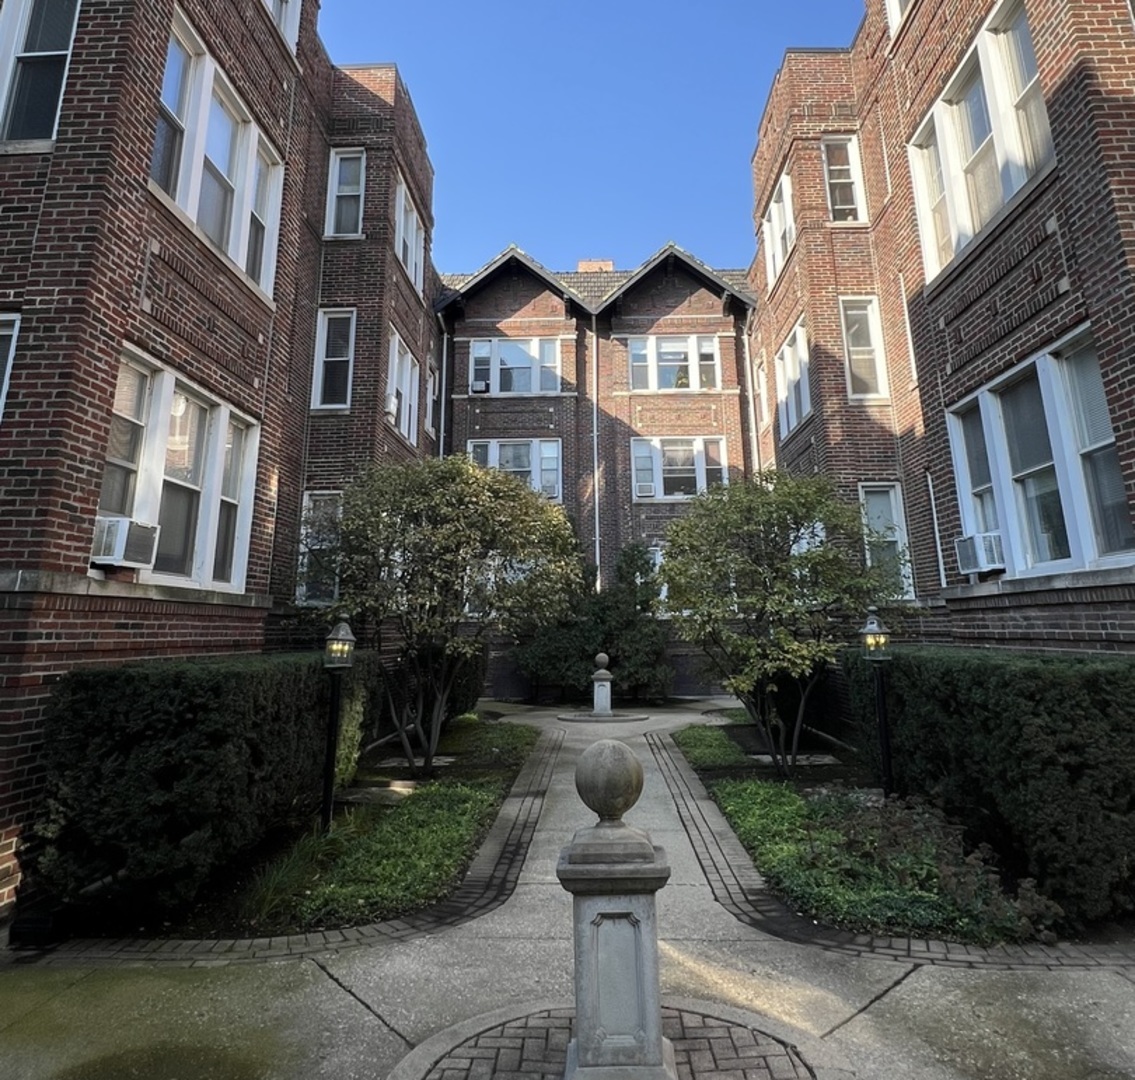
(468, 685)
(158, 773)
(709, 748)
(1035, 755)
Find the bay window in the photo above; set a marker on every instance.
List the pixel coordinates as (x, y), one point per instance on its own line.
(793, 388)
(402, 389)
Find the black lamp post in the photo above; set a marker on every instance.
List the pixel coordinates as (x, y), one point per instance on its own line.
(876, 637)
(338, 656)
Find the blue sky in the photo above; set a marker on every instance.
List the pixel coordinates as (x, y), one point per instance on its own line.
(588, 129)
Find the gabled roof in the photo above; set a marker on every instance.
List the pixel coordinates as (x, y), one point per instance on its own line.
(595, 290)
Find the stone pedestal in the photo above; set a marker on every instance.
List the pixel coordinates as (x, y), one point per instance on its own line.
(613, 873)
(601, 687)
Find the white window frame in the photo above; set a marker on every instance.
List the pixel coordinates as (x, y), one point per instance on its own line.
(896, 12)
(988, 61)
(310, 498)
(409, 234)
(431, 400)
(206, 80)
(793, 380)
(486, 353)
(855, 178)
(763, 415)
(10, 328)
(880, 359)
(402, 385)
(150, 475)
(778, 228)
(1084, 552)
(492, 448)
(14, 18)
(321, 358)
(285, 16)
(654, 445)
(896, 532)
(651, 347)
(334, 191)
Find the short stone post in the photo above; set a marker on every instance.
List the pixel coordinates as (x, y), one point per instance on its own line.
(601, 687)
(613, 872)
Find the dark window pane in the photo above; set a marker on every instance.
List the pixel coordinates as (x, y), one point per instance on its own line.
(336, 382)
(35, 98)
(347, 214)
(338, 337)
(166, 157)
(50, 26)
(255, 262)
(178, 519)
(117, 490)
(226, 541)
(215, 205)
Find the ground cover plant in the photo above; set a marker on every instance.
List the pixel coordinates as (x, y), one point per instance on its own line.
(849, 859)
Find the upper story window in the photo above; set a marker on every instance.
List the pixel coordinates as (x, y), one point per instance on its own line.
(762, 396)
(778, 228)
(9, 324)
(793, 388)
(317, 581)
(896, 12)
(688, 362)
(514, 366)
(409, 234)
(886, 534)
(535, 461)
(844, 178)
(35, 47)
(286, 16)
(863, 346)
(1039, 480)
(346, 179)
(984, 138)
(677, 468)
(213, 161)
(402, 389)
(334, 359)
(187, 462)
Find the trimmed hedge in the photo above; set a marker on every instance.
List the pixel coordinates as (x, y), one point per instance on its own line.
(1035, 755)
(159, 773)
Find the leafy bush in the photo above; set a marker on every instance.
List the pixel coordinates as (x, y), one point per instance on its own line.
(158, 773)
(468, 684)
(709, 748)
(1035, 755)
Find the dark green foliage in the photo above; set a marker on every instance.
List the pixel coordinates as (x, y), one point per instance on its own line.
(158, 773)
(710, 748)
(1036, 755)
(468, 684)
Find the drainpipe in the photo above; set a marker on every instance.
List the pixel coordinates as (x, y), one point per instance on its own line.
(442, 396)
(754, 433)
(595, 441)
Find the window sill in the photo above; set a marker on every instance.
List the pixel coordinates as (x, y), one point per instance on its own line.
(848, 224)
(327, 237)
(510, 395)
(869, 399)
(1086, 578)
(330, 410)
(39, 581)
(26, 146)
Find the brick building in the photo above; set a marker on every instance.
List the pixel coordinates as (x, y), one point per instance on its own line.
(211, 236)
(946, 298)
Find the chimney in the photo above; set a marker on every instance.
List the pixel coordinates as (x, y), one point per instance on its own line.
(594, 266)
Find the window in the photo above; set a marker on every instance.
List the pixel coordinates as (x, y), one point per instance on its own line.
(762, 396)
(9, 324)
(402, 389)
(886, 533)
(535, 461)
(212, 160)
(286, 16)
(186, 461)
(983, 139)
(35, 47)
(334, 359)
(317, 581)
(689, 362)
(677, 468)
(345, 183)
(863, 347)
(433, 402)
(409, 234)
(514, 366)
(896, 12)
(1036, 461)
(778, 228)
(843, 177)
(793, 390)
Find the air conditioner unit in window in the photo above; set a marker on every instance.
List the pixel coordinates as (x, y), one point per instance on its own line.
(122, 542)
(979, 553)
(644, 491)
(481, 386)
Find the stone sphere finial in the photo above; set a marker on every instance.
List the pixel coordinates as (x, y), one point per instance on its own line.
(609, 778)
(602, 660)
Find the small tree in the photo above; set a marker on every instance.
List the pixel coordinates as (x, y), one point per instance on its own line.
(768, 577)
(445, 552)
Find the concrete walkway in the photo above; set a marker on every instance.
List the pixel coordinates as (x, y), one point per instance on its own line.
(751, 990)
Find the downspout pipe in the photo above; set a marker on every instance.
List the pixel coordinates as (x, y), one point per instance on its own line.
(595, 442)
(750, 396)
(443, 395)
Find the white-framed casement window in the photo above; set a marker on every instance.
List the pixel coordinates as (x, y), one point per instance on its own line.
(402, 383)
(185, 461)
(433, 404)
(677, 468)
(409, 234)
(346, 182)
(863, 347)
(334, 359)
(778, 229)
(674, 362)
(9, 325)
(896, 12)
(35, 50)
(317, 580)
(793, 388)
(212, 160)
(983, 139)
(286, 16)
(538, 462)
(762, 396)
(843, 178)
(885, 523)
(1037, 468)
(514, 366)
